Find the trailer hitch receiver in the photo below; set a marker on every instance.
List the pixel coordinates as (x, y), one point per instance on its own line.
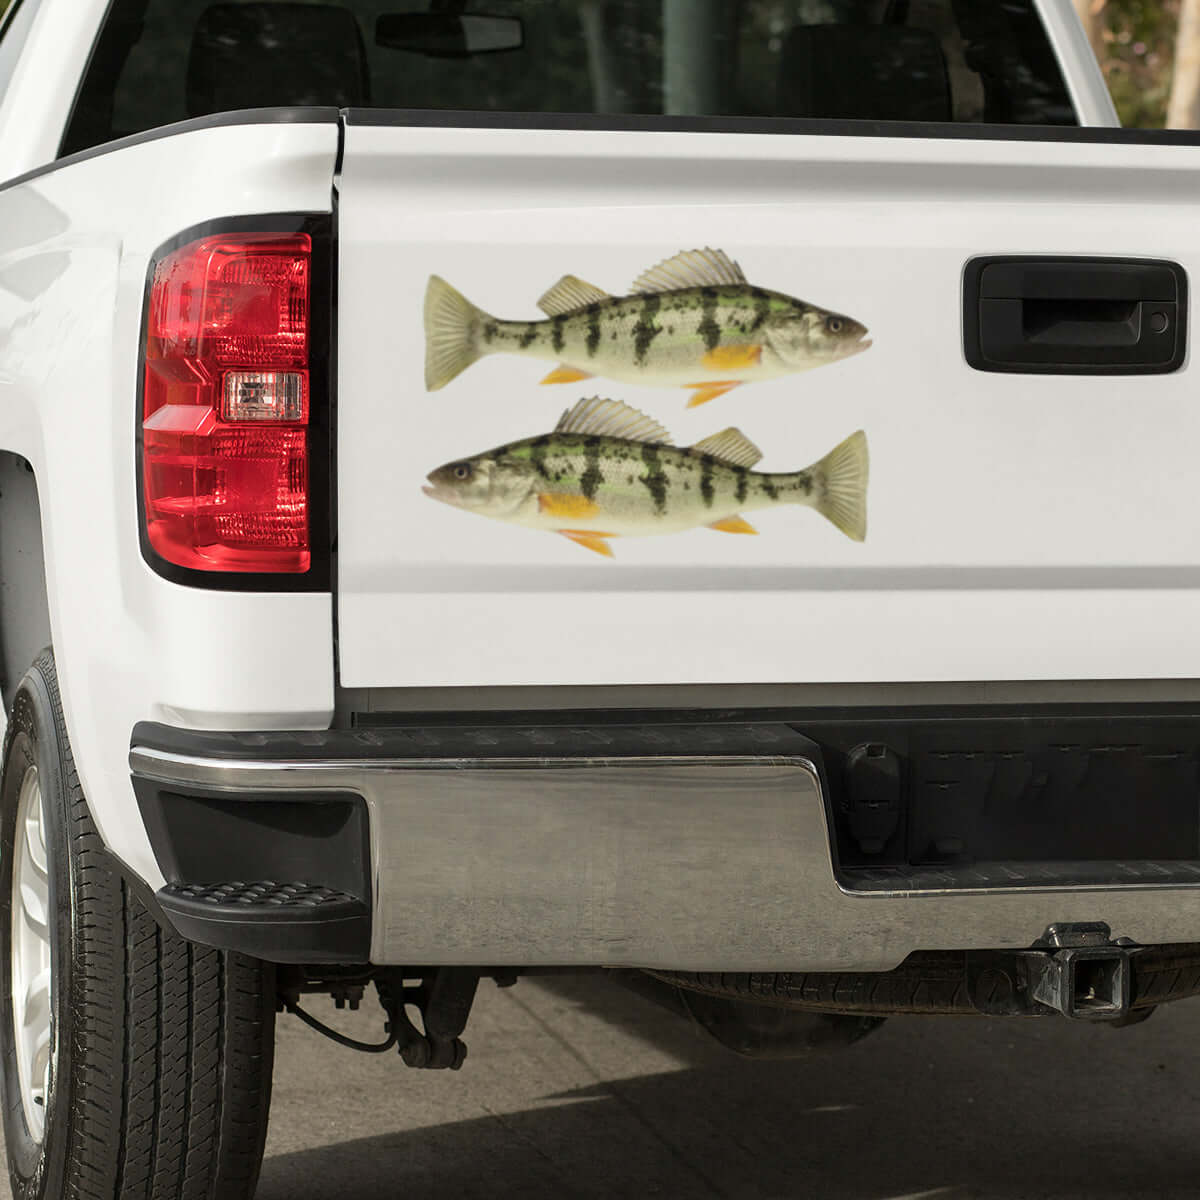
(1087, 975)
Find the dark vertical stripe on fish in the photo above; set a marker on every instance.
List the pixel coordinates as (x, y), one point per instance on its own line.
(743, 483)
(655, 478)
(709, 330)
(557, 332)
(529, 335)
(593, 337)
(762, 308)
(592, 476)
(490, 330)
(646, 329)
(537, 455)
(772, 492)
(707, 462)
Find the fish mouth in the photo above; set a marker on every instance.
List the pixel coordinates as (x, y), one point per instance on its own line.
(444, 495)
(858, 347)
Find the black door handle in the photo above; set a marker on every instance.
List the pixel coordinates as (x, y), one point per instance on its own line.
(1075, 316)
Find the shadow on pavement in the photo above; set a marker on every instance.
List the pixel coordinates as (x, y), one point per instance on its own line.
(922, 1109)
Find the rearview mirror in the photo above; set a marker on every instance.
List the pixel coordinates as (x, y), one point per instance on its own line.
(449, 35)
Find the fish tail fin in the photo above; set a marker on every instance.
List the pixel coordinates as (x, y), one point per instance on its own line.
(840, 491)
(451, 333)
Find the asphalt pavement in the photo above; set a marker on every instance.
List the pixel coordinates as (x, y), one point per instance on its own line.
(578, 1088)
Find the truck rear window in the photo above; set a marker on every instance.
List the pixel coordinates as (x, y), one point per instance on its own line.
(159, 61)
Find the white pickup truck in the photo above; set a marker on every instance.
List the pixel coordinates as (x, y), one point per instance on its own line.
(389, 394)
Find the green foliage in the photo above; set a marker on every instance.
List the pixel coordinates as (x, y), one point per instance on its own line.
(1139, 53)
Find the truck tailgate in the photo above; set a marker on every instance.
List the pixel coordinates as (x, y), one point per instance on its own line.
(1021, 526)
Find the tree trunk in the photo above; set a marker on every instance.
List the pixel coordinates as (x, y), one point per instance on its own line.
(1184, 109)
(1091, 13)
(692, 52)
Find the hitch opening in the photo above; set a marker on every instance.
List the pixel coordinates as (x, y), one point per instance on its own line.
(1098, 985)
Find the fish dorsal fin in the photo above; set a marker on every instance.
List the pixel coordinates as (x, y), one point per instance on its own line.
(689, 268)
(569, 295)
(611, 418)
(730, 446)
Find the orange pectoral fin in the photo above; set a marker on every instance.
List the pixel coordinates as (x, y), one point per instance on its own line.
(733, 358)
(590, 540)
(733, 525)
(562, 374)
(704, 392)
(562, 505)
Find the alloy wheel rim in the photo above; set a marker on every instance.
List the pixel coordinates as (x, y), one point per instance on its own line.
(31, 963)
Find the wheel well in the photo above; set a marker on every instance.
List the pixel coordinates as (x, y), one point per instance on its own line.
(24, 610)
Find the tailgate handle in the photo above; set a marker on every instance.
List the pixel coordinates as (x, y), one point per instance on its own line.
(1075, 316)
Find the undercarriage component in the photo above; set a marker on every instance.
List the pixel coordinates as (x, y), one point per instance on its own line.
(341, 1039)
(752, 1029)
(443, 997)
(1099, 981)
(344, 984)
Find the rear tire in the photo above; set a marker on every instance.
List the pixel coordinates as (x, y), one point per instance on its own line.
(160, 1051)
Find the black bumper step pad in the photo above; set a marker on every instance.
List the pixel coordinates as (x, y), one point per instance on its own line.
(281, 922)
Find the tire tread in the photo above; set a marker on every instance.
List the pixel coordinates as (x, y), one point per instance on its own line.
(172, 1046)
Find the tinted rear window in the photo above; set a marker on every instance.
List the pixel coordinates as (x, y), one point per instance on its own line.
(159, 61)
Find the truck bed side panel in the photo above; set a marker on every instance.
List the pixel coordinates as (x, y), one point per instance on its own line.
(75, 244)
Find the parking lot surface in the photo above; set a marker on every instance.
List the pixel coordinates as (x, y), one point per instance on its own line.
(577, 1088)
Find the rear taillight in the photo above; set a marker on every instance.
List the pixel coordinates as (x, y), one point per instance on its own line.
(225, 408)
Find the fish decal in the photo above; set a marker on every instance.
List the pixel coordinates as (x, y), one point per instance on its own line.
(610, 471)
(693, 321)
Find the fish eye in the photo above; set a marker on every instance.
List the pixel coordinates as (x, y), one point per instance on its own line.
(835, 324)
(462, 470)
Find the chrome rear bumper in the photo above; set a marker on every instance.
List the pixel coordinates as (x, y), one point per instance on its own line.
(701, 862)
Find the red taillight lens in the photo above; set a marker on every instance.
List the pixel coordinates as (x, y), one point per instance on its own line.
(225, 407)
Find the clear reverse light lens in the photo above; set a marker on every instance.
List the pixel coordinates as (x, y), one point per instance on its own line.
(263, 396)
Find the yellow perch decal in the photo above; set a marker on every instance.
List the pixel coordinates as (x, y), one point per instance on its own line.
(694, 321)
(609, 471)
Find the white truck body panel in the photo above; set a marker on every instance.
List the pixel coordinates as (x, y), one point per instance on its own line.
(41, 93)
(1016, 520)
(74, 250)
